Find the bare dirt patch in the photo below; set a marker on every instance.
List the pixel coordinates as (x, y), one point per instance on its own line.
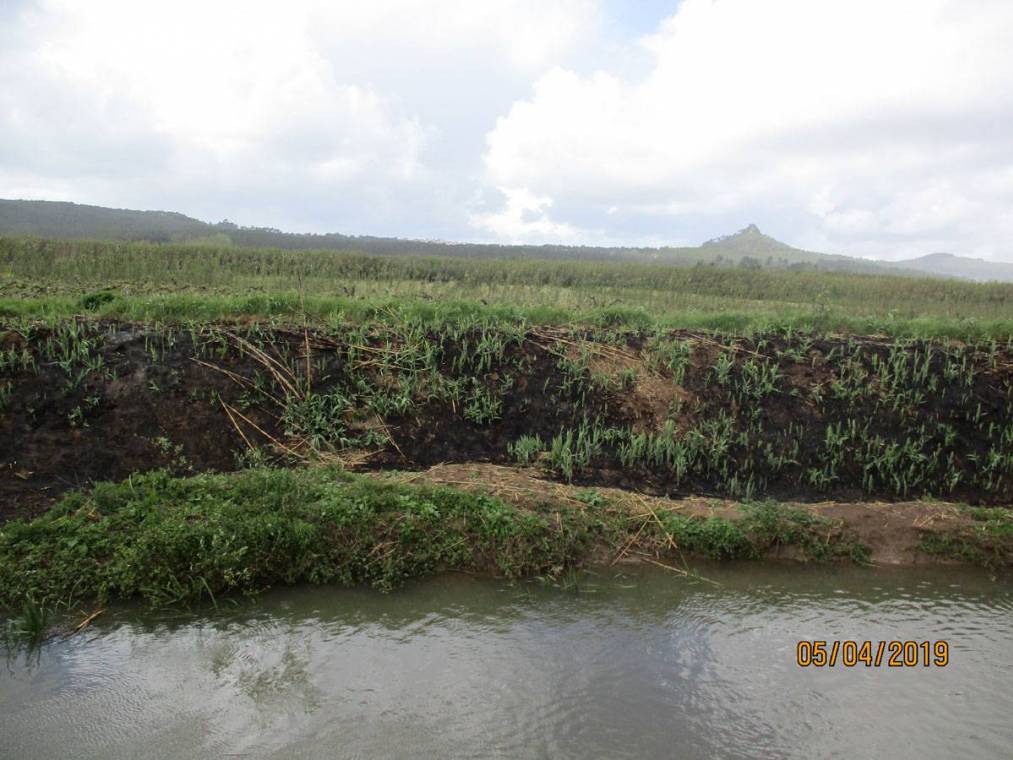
(891, 531)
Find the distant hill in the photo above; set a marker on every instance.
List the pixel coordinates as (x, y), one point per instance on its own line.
(748, 247)
(749, 241)
(964, 267)
(751, 245)
(73, 221)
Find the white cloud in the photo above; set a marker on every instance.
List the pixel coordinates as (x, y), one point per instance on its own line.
(857, 126)
(304, 114)
(524, 218)
(870, 127)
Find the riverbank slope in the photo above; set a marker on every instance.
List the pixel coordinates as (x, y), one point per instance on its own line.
(169, 540)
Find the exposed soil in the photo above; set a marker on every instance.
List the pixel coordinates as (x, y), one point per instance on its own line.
(196, 402)
(150, 416)
(892, 531)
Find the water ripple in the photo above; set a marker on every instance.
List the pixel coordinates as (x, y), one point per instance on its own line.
(642, 665)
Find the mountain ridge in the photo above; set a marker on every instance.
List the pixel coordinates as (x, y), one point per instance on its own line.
(748, 247)
(963, 267)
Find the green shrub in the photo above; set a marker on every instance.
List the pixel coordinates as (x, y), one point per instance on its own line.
(168, 540)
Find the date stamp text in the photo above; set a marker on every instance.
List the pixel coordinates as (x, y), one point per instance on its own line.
(818, 653)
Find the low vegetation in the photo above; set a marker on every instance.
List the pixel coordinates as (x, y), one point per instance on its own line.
(779, 414)
(986, 540)
(291, 369)
(29, 626)
(171, 282)
(167, 540)
(762, 527)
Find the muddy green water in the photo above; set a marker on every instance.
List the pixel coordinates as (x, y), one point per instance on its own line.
(632, 664)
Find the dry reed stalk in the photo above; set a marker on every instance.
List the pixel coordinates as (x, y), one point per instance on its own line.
(629, 543)
(280, 372)
(84, 623)
(595, 348)
(732, 347)
(264, 433)
(309, 365)
(236, 378)
(348, 459)
(680, 571)
(235, 424)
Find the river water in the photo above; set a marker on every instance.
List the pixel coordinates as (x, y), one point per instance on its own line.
(631, 664)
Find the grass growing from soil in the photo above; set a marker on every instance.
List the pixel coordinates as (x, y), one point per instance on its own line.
(169, 540)
(764, 526)
(986, 540)
(145, 281)
(117, 358)
(774, 415)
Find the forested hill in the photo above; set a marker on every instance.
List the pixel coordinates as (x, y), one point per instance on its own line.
(948, 265)
(748, 247)
(76, 222)
(72, 221)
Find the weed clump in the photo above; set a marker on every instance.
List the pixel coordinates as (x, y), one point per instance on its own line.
(168, 540)
(987, 540)
(29, 628)
(525, 450)
(761, 528)
(94, 301)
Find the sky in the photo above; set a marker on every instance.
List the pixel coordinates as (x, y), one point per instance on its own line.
(879, 128)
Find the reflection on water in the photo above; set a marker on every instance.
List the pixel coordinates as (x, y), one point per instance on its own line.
(634, 664)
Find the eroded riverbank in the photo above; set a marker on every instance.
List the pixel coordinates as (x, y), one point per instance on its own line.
(171, 540)
(784, 415)
(493, 447)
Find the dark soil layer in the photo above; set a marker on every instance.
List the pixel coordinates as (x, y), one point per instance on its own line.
(797, 417)
(139, 412)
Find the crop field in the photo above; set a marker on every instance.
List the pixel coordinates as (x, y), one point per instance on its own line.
(736, 386)
(142, 281)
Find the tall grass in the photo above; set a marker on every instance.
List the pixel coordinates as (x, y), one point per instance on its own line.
(165, 281)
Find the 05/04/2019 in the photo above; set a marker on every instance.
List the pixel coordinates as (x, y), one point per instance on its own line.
(819, 653)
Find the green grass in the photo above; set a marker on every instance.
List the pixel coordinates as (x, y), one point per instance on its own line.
(169, 540)
(172, 540)
(718, 316)
(173, 282)
(27, 629)
(763, 527)
(988, 540)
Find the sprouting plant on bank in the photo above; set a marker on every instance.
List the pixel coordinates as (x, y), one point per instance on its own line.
(572, 451)
(481, 405)
(318, 420)
(6, 392)
(674, 355)
(723, 366)
(525, 450)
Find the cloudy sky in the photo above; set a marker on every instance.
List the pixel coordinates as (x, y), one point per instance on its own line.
(870, 127)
